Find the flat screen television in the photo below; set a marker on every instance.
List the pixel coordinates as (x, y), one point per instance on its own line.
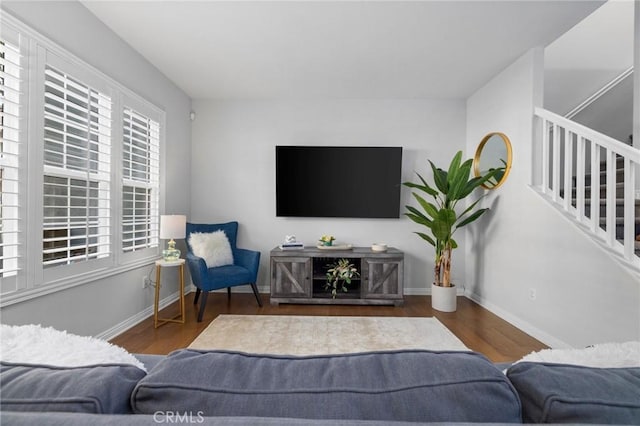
(338, 181)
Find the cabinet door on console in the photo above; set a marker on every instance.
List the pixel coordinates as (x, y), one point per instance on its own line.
(382, 278)
(290, 277)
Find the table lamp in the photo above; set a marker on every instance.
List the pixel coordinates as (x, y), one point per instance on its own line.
(172, 226)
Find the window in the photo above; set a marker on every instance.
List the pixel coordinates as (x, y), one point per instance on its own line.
(140, 181)
(77, 171)
(10, 146)
(92, 169)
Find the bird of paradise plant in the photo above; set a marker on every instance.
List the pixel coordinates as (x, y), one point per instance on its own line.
(440, 216)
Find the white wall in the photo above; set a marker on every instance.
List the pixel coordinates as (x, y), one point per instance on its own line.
(585, 59)
(588, 56)
(100, 306)
(582, 295)
(636, 86)
(612, 113)
(233, 168)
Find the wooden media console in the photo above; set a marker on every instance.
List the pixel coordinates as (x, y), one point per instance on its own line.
(299, 276)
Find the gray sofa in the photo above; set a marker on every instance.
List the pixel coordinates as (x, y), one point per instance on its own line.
(376, 388)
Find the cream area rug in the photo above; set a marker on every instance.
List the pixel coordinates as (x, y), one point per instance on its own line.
(317, 335)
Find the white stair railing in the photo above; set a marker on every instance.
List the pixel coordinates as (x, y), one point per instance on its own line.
(592, 178)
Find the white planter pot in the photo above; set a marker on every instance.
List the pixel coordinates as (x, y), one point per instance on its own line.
(443, 298)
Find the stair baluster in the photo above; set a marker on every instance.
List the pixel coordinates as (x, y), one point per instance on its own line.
(593, 179)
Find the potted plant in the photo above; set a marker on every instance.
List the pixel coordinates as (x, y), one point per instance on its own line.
(326, 240)
(442, 220)
(339, 275)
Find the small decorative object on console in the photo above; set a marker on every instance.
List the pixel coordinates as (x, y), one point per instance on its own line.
(335, 247)
(326, 240)
(290, 243)
(379, 247)
(291, 246)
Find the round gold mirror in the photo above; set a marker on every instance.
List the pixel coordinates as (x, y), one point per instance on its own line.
(493, 153)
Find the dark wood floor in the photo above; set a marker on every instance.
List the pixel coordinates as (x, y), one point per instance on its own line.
(479, 329)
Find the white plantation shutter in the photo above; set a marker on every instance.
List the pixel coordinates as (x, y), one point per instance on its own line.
(140, 181)
(11, 89)
(77, 171)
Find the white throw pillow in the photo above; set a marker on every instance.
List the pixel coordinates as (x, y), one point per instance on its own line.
(34, 344)
(213, 247)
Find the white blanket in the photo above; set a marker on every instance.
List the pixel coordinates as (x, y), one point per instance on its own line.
(33, 344)
(605, 355)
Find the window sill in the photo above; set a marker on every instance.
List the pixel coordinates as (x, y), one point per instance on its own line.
(24, 295)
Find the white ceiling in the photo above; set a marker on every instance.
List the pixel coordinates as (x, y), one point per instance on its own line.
(336, 49)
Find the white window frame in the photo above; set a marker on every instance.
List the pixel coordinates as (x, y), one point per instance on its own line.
(15, 280)
(33, 279)
(101, 176)
(158, 116)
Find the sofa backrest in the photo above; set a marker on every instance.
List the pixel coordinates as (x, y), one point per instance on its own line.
(411, 385)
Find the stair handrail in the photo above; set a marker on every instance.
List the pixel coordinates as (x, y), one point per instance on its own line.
(558, 166)
(600, 92)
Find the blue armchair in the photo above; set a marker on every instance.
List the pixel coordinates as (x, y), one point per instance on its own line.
(244, 270)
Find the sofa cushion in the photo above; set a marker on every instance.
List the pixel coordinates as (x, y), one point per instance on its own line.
(559, 393)
(411, 385)
(104, 388)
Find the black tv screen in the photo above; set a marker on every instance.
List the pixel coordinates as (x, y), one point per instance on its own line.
(345, 181)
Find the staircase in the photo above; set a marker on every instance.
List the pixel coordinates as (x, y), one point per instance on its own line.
(593, 180)
(602, 201)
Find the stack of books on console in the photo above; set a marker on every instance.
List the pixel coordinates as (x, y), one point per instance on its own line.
(291, 246)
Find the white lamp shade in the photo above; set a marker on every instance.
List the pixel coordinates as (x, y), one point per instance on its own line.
(173, 226)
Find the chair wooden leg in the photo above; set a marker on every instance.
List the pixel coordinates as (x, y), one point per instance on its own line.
(228, 293)
(195, 299)
(255, 292)
(203, 303)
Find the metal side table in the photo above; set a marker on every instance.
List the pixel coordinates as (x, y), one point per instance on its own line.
(169, 264)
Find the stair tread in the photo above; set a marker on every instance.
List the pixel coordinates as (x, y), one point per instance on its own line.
(604, 185)
(603, 173)
(619, 201)
(619, 220)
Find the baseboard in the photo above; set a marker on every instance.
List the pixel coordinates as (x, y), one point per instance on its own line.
(417, 291)
(426, 291)
(407, 291)
(524, 326)
(140, 316)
